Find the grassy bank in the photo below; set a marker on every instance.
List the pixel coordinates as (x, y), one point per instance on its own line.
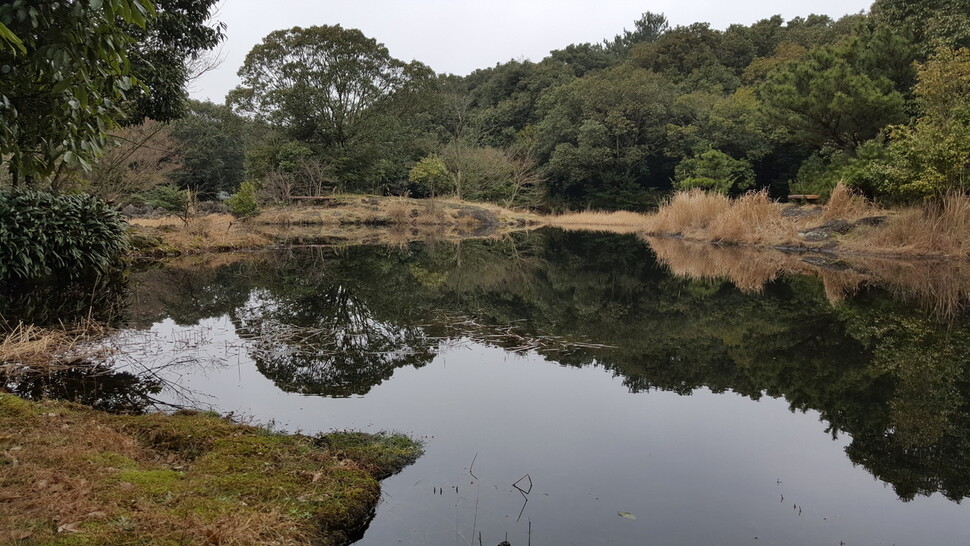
(346, 219)
(847, 223)
(72, 475)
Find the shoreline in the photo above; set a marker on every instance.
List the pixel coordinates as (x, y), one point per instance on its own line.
(853, 228)
(74, 475)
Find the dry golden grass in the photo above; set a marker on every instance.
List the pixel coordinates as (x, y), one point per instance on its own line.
(687, 212)
(753, 219)
(377, 210)
(27, 347)
(213, 232)
(615, 222)
(750, 219)
(936, 229)
(939, 229)
(845, 204)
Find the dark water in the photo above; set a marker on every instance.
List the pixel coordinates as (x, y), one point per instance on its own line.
(816, 404)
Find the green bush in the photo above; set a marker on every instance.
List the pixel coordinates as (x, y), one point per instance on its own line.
(715, 171)
(431, 175)
(43, 234)
(167, 197)
(243, 202)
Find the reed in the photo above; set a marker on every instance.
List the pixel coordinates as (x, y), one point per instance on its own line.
(28, 348)
(619, 221)
(750, 219)
(940, 228)
(846, 204)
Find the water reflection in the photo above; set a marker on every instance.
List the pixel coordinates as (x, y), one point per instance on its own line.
(876, 347)
(941, 287)
(837, 337)
(91, 384)
(329, 344)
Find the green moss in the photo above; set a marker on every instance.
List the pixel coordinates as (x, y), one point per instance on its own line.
(197, 477)
(385, 454)
(153, 482)
(11, 406)
(110, 459)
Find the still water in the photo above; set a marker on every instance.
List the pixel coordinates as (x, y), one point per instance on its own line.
(591, 388)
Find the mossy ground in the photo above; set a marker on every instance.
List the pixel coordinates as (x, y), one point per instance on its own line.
(71, 475)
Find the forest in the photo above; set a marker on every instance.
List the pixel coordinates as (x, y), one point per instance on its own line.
(879, 100)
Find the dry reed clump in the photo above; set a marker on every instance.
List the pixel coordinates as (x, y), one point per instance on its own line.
(845, 204)
(205, 233)
(750, 219)
(939, 228)
(399, 212)
(687, 212)
(26, 347)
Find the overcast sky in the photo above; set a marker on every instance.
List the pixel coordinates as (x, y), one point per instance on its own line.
(459, 36)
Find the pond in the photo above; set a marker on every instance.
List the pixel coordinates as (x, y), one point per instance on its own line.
(582, 388)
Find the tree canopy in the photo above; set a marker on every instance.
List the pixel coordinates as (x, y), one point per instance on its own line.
(73, 70)
(320, 83)
(66, 73)
(773, 105)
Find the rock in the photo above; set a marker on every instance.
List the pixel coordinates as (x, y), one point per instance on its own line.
(795, 211)
(826, 230)
(835, 226)
(814, 236)
(481, 216)
(871, 221)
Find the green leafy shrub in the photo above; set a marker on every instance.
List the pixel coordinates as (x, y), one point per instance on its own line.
(43, 234)
(715, 171)
(167, 197)
(243, 202)
(431, 176)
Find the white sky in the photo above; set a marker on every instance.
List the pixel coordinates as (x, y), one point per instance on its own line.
(459, 36)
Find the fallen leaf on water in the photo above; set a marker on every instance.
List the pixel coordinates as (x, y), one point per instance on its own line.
(626, 515)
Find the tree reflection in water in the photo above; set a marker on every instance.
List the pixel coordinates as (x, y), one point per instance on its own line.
(878, 352)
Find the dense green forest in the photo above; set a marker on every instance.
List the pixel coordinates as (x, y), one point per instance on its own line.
(880, 100)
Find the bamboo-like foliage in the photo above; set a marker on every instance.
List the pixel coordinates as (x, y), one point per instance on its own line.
(43, 234)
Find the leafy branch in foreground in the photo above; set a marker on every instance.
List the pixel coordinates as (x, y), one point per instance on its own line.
(66, 76)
